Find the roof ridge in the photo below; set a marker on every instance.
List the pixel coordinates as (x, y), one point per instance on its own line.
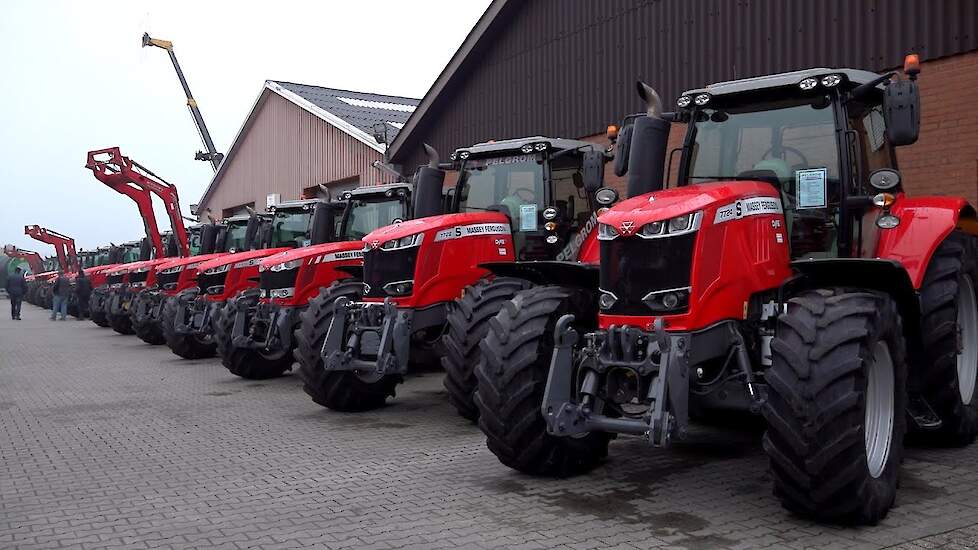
(343, 90)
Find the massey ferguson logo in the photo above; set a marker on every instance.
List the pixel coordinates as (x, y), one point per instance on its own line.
(374, 244)
(626, 227)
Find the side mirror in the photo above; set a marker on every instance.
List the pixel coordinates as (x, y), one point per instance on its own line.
(621, 150)
(208, 238)
(221, 238)
(901, 111)
(593, 170)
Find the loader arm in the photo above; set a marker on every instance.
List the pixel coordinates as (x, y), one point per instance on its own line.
(130, 178)
(64, 246)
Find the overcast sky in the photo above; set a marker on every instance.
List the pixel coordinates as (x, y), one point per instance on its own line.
(74, 78)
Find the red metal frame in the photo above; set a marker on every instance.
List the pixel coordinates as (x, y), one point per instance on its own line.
(63, 245)
(128, 177)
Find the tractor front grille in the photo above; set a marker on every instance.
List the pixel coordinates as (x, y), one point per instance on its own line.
(168, 281)
(381, 267)
(214, 281)
(114, 279)
(138, 277)
(271, 280)
(633, 267)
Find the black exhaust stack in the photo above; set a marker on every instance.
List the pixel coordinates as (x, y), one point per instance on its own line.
(251, 230)
(428, 184)
(649, 142)
(323, 224)
(208, 238)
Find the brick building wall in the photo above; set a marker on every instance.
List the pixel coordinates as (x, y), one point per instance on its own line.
(944, 161)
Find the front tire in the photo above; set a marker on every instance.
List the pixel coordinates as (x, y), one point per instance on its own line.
(146, 328)
(949, 321)
(246, 363)
(836, 406)
(339, 391)
(96, 308)
(468, 324)
(512, 378)
(187, 346)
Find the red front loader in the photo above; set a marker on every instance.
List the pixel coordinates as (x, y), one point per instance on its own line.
(785, 273)
(64, 247)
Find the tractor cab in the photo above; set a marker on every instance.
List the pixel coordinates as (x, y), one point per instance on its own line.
(817, 136)
(544, 186)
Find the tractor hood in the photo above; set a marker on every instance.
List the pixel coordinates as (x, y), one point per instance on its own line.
(192, 261)
(251, 257)
(99, 268)
(319, 253)
(669, 203)
(450, 224)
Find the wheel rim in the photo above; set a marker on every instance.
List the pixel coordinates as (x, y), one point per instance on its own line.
(968, 327)
(879, 409)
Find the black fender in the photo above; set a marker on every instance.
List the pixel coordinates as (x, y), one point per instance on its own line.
(882, 275)
(569, 274)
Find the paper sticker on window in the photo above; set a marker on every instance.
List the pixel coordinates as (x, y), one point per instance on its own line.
(528, 217)
(811, 187)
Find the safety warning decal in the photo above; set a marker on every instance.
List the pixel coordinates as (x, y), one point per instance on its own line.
(755, 206)
(473, 230)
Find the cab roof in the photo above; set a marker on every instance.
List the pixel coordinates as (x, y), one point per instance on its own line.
(853, 76)
(298, 203)
(514, 145)
(375, 189)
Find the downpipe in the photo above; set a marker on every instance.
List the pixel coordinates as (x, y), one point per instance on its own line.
(343, 346)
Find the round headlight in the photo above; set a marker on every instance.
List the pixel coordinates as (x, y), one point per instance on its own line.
(808, 84)
(551, 239)
(540, 146)
(884, 179)
(605, 196)
(607, 300)
(701, 99)
(831, 80)
(453, 156)
(670, 300)
(550, 213)
(527, 148)
(463, 155)
(684, 101)
(550, 226)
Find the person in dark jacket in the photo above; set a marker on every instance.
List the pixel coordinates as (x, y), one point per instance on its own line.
(16, 288)
(60, 289)
(83, 291)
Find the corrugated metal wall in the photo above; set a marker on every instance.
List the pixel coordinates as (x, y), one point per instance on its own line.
(286, 150)
(568, 67)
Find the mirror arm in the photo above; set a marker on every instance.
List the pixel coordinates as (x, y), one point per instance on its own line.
(863, 89)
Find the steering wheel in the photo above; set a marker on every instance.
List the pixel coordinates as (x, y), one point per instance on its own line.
(801, 155)
(525, 194)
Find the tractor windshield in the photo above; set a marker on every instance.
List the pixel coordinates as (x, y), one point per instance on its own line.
(789, 143)
(234, 239)
(290, 227)
(194, 238)
(512, 185)
(367, 214)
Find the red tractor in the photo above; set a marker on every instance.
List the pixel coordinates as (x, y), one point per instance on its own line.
(785, 273)
(524, 211)
(33, 259)
(257, 328)
(188, 317)
(99, 277)
(64, 247)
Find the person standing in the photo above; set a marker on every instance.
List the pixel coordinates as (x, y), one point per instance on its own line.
(83, 291)
(61, 288)
(16, 288)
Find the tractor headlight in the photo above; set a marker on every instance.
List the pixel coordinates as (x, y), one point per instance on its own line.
(831, 80)
(808, 84)
(606, 300)
(701, 99)
(684, 101)
(140, 270)
(285, 266)
(527, 149)
(680, 223)
(463, 155)
(654, 229)
(282, 292)
(218, 270)
(667, 301)
(399, 288)
(606, 232)
(605, 196)
(403, 242)
(540, 147)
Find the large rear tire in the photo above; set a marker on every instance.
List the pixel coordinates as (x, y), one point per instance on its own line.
(96, 307)
(836, 405)
(339, 391)
(146, 328)
(512, 377)
(121, 323)
(948, 363)
(187, 346)
(243, 362)
(468, 323)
